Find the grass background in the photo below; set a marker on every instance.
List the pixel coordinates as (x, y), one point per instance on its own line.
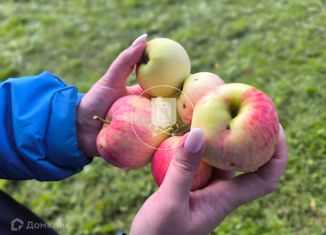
(277, 46)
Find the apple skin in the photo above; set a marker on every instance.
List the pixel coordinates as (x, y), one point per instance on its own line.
(181, 127)
(166, 64)
(194, 88)
(240, 124)
(163, 156)
(128, 141)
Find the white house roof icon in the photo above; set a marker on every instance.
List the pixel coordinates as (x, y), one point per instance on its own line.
(16, 224)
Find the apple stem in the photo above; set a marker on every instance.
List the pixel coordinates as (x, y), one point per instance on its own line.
(97, 118)
(176, 128)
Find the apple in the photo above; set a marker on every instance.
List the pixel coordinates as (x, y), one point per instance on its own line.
(195, 87)
(163, 67)
(129, 139)
(180, 127)
(163, 156)
(240, 124)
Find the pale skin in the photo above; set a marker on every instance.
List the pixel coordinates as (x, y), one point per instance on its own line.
(173, 209)
(99, 99)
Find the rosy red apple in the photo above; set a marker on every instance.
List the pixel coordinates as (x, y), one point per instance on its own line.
(129, 140)
(241, 126)
(163, 68)
(195, 87)
(163, 156)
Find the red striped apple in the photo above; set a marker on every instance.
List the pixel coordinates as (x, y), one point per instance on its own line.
(128, 140)
(163, 68)
(163, 156)
(195, 87)
(241, 126)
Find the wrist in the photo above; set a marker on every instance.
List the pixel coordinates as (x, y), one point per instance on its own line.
(87, 131)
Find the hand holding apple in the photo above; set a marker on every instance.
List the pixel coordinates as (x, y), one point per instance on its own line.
(175, 210)
(237, 123)
(162, 159)
(99, 99)
(240, 123)
(128, 141)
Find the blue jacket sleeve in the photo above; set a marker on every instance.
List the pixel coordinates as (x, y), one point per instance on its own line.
(38, 136)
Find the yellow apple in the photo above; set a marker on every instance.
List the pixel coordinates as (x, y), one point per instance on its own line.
(164, 67)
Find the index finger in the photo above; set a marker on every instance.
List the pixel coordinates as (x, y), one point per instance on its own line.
(274, 168)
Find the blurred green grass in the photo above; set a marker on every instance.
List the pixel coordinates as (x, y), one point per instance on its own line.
(277, 46)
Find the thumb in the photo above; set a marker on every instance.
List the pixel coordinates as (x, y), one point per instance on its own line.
(178, 180)
(111, 86)
(124, 64)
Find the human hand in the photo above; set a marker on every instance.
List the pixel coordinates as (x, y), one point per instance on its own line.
(105, 92)
(175, 210)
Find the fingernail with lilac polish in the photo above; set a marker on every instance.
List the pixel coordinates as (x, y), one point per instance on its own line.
(195, 141)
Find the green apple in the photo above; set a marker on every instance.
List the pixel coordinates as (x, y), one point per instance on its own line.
(163, 68)
(194, 88)
(241, 126)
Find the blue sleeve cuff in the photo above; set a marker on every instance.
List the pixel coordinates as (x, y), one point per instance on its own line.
(61, 138)
(39, 138)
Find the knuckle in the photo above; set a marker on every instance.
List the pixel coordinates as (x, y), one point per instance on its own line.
(170, 205)
(227, 205)
(125, 57)
(182, 164)
(270, 187)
